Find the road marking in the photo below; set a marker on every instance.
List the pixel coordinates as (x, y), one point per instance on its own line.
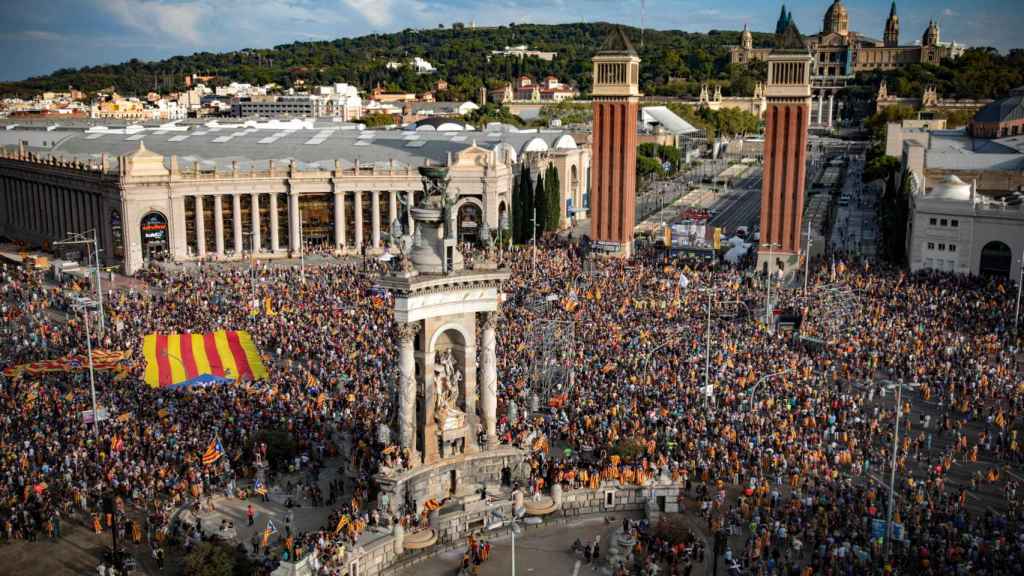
(576, 569)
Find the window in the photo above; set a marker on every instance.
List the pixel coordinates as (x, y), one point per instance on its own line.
(931, 245)
(954, 223)
(944, 222)
(952, 247)
(932, 221)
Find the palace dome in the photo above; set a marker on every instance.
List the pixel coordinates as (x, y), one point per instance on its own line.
(951, 188)
(837, 19)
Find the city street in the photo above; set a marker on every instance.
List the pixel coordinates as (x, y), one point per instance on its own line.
(856, 224)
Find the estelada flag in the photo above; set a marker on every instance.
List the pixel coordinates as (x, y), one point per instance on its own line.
(175, 358)
(213, 452)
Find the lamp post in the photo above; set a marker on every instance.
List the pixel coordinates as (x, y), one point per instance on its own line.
(892, 473)
(753, 389)
(83, 305)
(768, 295)
(807, 257)
(1020, 286)
(89, 238)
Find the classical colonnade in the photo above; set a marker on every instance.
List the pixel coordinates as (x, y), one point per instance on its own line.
(271, 200)
(44, 210)
(825, 118)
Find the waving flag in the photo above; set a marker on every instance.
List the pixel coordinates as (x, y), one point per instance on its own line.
(270, 529)
(213, 452)
(101, 360)
(173, 359)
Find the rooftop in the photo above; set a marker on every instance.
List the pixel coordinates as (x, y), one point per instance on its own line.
(312, 145)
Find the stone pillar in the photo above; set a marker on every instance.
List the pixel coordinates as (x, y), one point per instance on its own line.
(339, 219)
(831, 97)
(294, 224)
(200, 227)
(375, 217)
(407, 390)
(275, 241)
(392, 209)
(218, 224)
(821, 106)
(359, 219)
(489, 379)
(410, 224)
(256, 240)
(236, 223)
(179, 241)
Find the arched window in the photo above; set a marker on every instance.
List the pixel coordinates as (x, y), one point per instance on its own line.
(996, 259)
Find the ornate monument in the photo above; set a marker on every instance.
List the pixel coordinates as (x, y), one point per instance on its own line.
(446, 424)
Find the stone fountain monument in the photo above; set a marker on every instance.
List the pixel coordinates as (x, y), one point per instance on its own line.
(447, 382)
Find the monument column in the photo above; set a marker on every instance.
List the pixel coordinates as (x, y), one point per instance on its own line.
(375, 218)
(359, 219)
(218, 223)
(339, 219)
(257, 243)
(392, 207)
(411, 224)
(200, 227)
(489, 379)
(407, 390)
(294, 224)
(275, 240)
(236, 223)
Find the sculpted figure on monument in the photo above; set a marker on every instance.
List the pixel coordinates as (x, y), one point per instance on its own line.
(446, 385)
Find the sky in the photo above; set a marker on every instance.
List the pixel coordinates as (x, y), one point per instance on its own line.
(40, 36)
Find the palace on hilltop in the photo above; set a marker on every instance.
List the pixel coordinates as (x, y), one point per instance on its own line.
(839, 53)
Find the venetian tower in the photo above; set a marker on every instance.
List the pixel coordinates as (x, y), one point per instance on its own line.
(616, 95)
(787, 117)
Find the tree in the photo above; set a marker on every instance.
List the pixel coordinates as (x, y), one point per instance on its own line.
(538, 208)
(492, 113)
(210, 559)
(877, 122)
(378, 120)
(281, 447)
(522, 207)
(553, 196)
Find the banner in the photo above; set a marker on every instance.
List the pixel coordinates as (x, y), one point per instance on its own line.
(101, 360)
(172, 359)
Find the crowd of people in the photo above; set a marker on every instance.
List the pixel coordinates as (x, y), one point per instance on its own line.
(782, 438)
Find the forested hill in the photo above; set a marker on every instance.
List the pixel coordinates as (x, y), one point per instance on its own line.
(675, 63)
(462, 57)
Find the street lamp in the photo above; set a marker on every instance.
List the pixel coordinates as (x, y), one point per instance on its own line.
(753, 389)
(1020, 286)
(87, 238)
(768, 296)
(892, 473)
(82, 304)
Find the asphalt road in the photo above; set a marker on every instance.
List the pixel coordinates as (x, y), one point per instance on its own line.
(741, 204)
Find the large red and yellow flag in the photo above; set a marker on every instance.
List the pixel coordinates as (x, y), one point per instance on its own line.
(175, 358)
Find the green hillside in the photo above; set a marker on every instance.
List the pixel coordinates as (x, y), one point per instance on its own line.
(674, 62)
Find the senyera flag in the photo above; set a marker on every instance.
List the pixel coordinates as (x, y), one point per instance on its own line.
(181, 359)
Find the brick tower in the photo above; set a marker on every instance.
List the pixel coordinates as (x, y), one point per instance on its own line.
(616, 95)
(786, 120)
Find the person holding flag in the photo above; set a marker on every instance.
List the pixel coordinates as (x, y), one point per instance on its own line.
(267, 532)
(213, 452)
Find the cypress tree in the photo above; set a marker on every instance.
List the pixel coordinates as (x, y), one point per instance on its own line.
(539, 207)
(521, 213)
(554, 199)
